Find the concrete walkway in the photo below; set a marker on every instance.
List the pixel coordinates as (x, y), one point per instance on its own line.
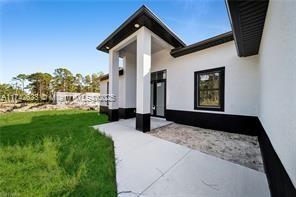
(149, 166)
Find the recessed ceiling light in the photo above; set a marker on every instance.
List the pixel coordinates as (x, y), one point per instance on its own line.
(107, 48)
(137, 25)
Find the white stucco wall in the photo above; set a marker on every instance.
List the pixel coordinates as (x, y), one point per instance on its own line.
(277, 68)
(130, 80)
(103, 90)
(121, 99)
(241, 78)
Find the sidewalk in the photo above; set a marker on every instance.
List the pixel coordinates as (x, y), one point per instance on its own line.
(149, 166)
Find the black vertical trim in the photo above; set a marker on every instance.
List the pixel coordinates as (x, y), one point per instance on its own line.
(143, 122)
(165, 93)
(280, 184)
(113, 115)
(104, 110)
(196, 84)
(154, 97)
(222, 88)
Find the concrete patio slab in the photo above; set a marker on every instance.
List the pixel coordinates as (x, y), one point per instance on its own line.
(149, 166)
(199, 174)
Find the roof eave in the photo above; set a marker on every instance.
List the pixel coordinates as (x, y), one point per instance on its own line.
(133, 16)
(211, 42)
(247, 20)
(143, 10)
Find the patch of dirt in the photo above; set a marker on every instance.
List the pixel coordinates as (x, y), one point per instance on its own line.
(7, 107)
(237, 148)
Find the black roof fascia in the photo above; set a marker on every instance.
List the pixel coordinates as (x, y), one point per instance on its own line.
(143, 17)
(247, 19)
(214, 41)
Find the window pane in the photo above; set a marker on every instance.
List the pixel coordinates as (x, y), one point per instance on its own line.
(209, 81)
(209, 89)
(159, 75)
(209, 98)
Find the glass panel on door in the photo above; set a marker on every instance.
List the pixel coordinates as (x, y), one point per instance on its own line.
(152, 99)
(160, 98)
(158, 94)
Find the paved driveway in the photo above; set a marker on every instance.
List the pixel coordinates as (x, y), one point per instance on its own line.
(149, 166)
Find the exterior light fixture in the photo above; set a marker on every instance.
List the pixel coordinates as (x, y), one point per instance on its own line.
(137, 25)
(107, 48)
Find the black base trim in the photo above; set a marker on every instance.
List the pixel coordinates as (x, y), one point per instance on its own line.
(104, 110)
(224, 122)
(113, 115)
(279, 181)
(126, 113)
(143, 122)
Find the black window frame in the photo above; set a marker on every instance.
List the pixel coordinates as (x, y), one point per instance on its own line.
(197, 74)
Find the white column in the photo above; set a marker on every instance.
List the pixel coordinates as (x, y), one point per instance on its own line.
(113, 84)
(124, 87)
(130, 81)
(143, 79)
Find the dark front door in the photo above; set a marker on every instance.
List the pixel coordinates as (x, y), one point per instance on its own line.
(158, 93)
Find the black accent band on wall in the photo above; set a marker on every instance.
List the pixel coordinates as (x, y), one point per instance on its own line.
(126, 113)
(104, 109)
(279, 181)
(113, 115)
(224, 122)
(143, 122)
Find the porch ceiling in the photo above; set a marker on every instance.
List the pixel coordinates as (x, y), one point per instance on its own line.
(142, 17)
(132, 47)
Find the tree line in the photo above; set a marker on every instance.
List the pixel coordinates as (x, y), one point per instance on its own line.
(44, 84)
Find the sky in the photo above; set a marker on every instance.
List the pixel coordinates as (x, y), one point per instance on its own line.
(42, 35)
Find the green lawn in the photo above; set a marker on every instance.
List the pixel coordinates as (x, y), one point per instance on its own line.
(55, 153)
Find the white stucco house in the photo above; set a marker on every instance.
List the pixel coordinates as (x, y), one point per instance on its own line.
(242, 81)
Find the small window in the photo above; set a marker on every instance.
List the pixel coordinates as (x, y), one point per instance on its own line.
(209, 89)
(159, 75)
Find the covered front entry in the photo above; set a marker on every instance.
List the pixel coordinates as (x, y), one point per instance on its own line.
(142, 92)
(135, 41)
(158, 93)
